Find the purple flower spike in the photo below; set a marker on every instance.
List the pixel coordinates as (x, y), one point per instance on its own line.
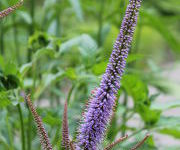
(100, 108)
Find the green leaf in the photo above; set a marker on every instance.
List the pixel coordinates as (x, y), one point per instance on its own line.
(71, 73)
(85, 43)
(4, 142)
(4, 100)
(166, 105)
(136, 88)
(150, 116)
(158, 24)
(175, 132)
(47, 80)
(42, 52)
(10, 68)
(168, 122)
(134, 57)
(24, 68)
(9, 82)
(52, 121)
(169, 126)
(99, 69)
(77, 9)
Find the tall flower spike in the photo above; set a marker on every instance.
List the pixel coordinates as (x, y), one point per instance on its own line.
(65, 130)
(9, 10)
(45, 143)
(99, 111)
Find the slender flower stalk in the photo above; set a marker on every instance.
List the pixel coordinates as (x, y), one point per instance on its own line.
(100, 108)
(10, 9)
(112, 145)
(65, 130)
(45, 143)
(140, 143)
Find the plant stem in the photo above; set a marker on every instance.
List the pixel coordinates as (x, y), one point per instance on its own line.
(100, 21)
(16, 39)
(9, 132)
(29, 131)
(70, 93)
(58, 22)
(1, 35)
(124, 120)
(22, 127)
(138, 39)
(31, 27)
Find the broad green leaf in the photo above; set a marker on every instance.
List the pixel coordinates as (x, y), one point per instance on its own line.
(24, 68)
(99, 69)
(175, 132)
(168, 122)
(25, 16)
(166, 105)
(169, 126)
(136, 88)
(134, 57)
(47, 80)
(4, 143)
(156, 23)
(42, 52)
(9, 82)
(71, 73)
(150, 116)
(51, 120)
(77, 8)
(85, 43)
(10, 68)
(4, 100)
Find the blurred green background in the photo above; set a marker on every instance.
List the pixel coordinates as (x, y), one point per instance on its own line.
(57, 50)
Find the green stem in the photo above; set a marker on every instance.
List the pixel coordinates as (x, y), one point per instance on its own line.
(138, 39)
(16, 42)
(9, 133)
(100, 22)
(1, 35)
(70, 93)
(29, 131)
(124, 116)
(22, 127)
(58, 22)
(31, 27)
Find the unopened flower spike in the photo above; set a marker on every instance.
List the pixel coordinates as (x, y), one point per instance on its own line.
(140, 143)
(65, 130)
(44, 139)
(112, 145)
(10, 9)
(100, 108)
